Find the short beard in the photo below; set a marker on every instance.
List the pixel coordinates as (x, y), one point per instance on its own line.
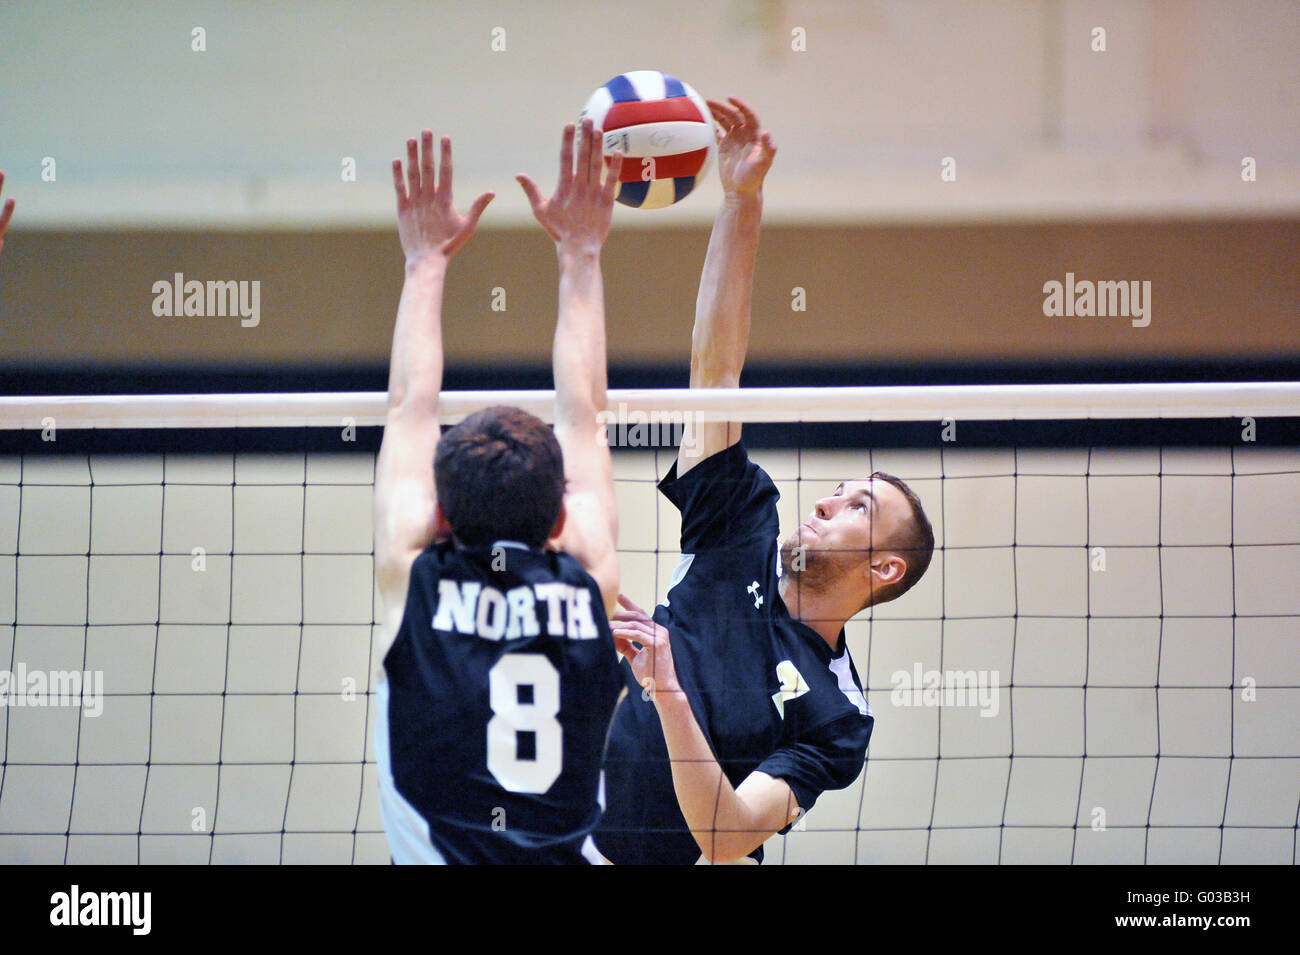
(812, 571)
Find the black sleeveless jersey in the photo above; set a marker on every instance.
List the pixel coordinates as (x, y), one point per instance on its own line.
(492, 718)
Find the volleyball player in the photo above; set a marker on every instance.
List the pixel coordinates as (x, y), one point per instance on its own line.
(743, 704)
(5, 214)
(498, 667)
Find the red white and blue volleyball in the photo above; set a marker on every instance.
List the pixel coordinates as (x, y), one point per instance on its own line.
(664, 130)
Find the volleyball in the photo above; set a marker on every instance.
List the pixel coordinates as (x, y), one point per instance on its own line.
(664, 130)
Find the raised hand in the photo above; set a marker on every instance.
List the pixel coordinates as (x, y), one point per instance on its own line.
(578, 215)
(427, 220)
(745, 150)
(5, 214)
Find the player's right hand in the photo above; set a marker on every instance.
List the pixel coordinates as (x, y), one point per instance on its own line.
(745, 150)
(427, 220)
(5, 214)
(577, 217)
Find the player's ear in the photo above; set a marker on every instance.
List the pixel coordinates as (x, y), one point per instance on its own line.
(887, 569)
(441, 526)
(558, 529)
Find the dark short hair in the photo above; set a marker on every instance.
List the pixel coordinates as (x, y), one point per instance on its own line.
(915, 540)
(500, 476)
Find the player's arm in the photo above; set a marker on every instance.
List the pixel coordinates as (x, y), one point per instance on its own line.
(721, 334)
(728, 822)
(577, 217)
(6, 213)
(431, 230)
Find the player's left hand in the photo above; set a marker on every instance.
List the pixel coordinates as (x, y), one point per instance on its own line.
(5, 214)
(645, 645)
(578, 215)
(427, 220)
(745, 149)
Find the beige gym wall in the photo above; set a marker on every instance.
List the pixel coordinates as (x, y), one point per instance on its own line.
(925, 293)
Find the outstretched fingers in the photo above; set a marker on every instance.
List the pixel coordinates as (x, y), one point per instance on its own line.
(412, 168)
(535, 197)
(477, 208)
(592, 155)
(739, 121)
(726, 116)
(468, 224)
(566, 160)
(611, 176)
(444, 162)
(748, 115)
(399, 183)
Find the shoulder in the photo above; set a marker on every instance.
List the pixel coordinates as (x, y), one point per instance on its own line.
(563, 566)
(831, 687)
(724, 499)
(438, 558)
(730, 462)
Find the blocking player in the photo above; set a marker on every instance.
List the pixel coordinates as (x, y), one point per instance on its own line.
(5, 214)
(498, 667)
(743, 703)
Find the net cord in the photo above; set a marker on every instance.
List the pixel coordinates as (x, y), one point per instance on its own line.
(958, 402)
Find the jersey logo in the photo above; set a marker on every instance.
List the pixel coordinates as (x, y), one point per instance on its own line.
(793, 685)
(752, 590)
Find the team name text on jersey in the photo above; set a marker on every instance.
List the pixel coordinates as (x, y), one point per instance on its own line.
(466, 606)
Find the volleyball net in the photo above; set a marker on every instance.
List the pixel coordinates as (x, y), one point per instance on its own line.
(1100, 665)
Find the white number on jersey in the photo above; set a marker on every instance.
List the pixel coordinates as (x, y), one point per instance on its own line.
(511, 717)
(793, 685)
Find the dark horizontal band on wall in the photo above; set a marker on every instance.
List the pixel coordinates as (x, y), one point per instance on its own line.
(16, 380)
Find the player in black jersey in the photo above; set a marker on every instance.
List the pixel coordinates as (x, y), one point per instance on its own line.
(498, 671)
(743, 703)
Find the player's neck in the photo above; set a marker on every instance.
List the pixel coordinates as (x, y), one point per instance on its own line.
(821, 612)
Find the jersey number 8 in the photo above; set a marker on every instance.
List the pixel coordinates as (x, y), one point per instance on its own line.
(512, 717)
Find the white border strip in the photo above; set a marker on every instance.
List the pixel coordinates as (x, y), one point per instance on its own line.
(931, 403)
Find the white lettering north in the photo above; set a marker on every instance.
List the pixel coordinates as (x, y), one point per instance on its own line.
(456, 599)
(523, 613)
(553, 594)
(491, 619)
(470, 608)
(580, 614)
